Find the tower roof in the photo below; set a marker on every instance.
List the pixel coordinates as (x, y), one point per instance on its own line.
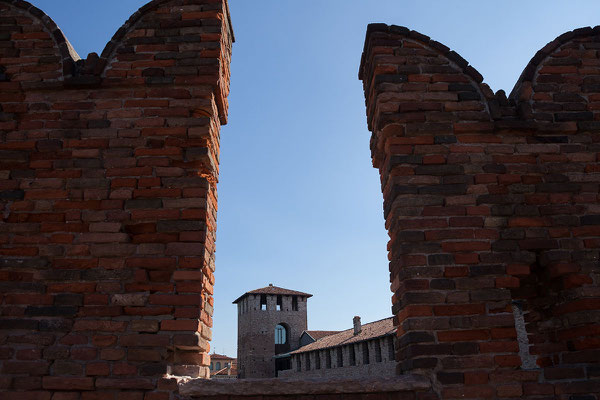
(273, 290)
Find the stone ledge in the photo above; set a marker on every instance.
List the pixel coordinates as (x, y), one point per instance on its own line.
(256, 387)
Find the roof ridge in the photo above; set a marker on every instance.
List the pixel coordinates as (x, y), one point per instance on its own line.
(221, 355)
(368, 323)
(346, 336)
(273, 290)
(382, 319)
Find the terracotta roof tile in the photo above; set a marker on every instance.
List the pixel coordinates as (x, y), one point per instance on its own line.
(274, 290)
(320, 334)
(368, 331)
(215, 356)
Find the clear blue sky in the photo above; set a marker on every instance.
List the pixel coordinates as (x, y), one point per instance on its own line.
(299, 204)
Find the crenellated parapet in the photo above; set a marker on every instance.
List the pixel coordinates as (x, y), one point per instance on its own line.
(492, 208)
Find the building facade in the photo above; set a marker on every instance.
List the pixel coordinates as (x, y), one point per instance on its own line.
(364, 350)
(270, 322)
(222, 366)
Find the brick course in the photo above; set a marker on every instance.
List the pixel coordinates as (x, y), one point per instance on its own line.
(108, 173)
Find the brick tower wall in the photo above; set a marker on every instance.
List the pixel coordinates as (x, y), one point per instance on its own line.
(108, 173)
(256, 332)
(492, 208)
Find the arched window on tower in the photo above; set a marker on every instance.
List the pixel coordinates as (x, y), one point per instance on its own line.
(280, 335)
(282, 339)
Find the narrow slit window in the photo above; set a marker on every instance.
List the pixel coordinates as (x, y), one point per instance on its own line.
(298, 364)
(377, 350)
(279, 302)
(352, 355)
(340, 357)
(263, 302)
(294, 303)
(365, 352)
(392, 353)
(328, 359)
(308, 361)
(317, 360)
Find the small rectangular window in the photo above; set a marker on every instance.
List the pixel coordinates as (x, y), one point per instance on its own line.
(294, 303)
(263, 302)
(279, 302)
(308, 361)
(298, 364)
(327, 359)
(365, 352)
(340, 357)
(352, 355)
(317, 360)
(377, 350)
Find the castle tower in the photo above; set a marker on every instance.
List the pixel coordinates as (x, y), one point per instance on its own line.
(270, 322)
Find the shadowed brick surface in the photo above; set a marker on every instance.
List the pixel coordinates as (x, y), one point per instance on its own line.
(490, 200)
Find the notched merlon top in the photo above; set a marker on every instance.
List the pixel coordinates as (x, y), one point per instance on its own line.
(451, 55)
(88, 72)
(532, 67)
(527, 75)
(67, 51)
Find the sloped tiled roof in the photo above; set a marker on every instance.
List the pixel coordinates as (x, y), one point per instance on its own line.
(274, 290)
(368, 331)
(215, 356)
(320, 334)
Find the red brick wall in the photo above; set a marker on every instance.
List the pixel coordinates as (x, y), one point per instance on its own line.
(490, 203)
(108, 172)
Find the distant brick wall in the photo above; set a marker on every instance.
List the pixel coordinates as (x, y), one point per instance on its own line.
(256, 332)
(492, 207)
(108, 172)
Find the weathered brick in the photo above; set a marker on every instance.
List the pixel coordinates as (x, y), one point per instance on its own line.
(64, 383)
(124, 383)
